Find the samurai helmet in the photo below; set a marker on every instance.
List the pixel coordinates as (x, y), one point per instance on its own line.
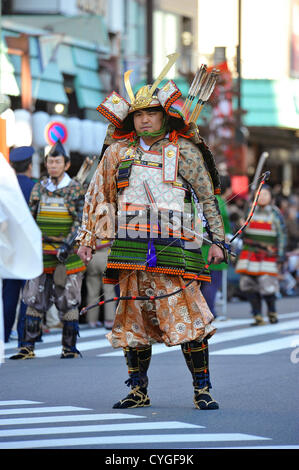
(115, 108)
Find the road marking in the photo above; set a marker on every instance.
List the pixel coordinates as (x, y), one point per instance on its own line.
(18, 402)
(254, 331)
(68, 418)
(259, 447)
(130, 439)
(42, 409)
(54, 337)
(82, 346)
(98, 428)
(259, 348)
(225, 336)
(42, 433)
(41, 351)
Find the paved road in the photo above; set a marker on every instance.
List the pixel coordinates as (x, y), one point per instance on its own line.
(50, 403)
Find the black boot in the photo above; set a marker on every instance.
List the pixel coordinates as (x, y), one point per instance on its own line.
(70, 332)
(196, 355)
(258, 321)
(271, 306)
(255, 300)
(138, 360)
(32, 331)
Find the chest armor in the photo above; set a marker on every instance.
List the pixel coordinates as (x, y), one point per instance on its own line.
(53, 219)
(151, 190)
(154, 206)
(261, 229)
(53, 215)
(149, 168)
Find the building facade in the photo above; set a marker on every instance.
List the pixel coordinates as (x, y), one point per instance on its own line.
(59, 59)
(266, 33)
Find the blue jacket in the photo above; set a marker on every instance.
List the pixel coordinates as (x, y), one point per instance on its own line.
(26, 185)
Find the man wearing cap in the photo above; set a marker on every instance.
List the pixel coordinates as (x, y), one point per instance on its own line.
(21, 161)
(156, 165)
(56, 203)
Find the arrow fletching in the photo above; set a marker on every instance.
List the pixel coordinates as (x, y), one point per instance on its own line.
(197, 82)
(206, 89)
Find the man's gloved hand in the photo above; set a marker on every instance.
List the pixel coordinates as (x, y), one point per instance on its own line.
(85, 254)
(215, 254)
(63, 252)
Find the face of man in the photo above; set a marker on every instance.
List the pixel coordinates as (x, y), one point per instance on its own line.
(56, 167)
(265, 197)
(148, 120)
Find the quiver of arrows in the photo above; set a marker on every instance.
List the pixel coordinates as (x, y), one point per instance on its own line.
(200, 91)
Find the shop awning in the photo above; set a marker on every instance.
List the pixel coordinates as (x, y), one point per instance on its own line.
(47, 84)
(55, 53)
(88, 85)
(90, 29)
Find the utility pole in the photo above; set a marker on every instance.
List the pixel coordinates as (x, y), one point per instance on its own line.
(239, 135)
(149, 40)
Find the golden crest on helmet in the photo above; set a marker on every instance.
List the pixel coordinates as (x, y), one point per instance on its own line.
(144, 99)
(145, 96)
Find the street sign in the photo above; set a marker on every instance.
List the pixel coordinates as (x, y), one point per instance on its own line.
(54, 131)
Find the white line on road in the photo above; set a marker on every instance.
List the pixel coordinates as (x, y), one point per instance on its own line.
(82, 346)
(18, 402)
(161, 348)
(130, 439)
(254, 331)
(259, 447)
(68, 418)
(98, 428)
(226, 336)
(42, 409)
(260, 348)
(54, 337)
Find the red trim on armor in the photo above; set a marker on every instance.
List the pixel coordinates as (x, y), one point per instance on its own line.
(257, 257)
(260, 225)
(108, 114)
(172, 99)
(260, 273)
(69, 271)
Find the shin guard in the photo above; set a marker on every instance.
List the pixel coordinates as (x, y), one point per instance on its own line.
(70, 332)
(196, 355)
(138, 361)
(32, 330)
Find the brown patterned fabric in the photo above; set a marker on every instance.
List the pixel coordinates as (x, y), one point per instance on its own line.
(182, 317)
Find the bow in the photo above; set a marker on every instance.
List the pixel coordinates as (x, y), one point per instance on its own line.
(265, 178)
(223, 245)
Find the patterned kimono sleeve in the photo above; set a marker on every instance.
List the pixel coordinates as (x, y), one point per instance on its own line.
(194, 170)
(98, 220)
(75, 204)
(281, 232)
(34, 199)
